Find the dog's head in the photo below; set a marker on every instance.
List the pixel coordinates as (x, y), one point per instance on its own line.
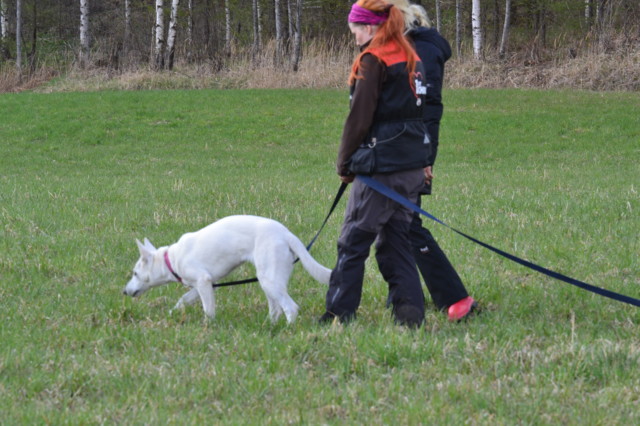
(147, 273)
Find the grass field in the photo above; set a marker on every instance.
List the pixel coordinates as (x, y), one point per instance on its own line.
(553, 177)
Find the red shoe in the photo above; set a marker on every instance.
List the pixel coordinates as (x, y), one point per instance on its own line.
(462, 309)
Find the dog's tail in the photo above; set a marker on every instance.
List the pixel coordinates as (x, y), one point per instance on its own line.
(315, 269)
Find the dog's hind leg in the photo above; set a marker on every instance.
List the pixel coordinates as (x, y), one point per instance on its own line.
(274, 284)
(274, 263)
(279, 302)
(274, 309)
(187, 299)
(290, 308)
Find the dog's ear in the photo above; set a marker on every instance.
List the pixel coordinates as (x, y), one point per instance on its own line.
(145, 250)
(148, 245)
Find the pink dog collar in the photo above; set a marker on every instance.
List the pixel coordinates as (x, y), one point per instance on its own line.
(168, 263)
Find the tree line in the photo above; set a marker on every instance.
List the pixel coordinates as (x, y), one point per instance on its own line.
(125, 33)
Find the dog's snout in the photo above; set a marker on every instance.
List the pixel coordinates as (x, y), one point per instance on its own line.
(130, 292)
(132, 288)
(134, 293)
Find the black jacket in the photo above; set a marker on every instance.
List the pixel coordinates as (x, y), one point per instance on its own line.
(386, 114)
(433, 50)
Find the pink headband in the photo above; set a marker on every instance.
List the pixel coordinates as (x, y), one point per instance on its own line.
(360, 15)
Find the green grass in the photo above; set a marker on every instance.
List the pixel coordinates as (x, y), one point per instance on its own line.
(549, 176)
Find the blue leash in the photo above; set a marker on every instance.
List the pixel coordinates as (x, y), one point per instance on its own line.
(378, 187)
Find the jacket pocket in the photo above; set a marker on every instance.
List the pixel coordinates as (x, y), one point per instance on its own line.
(398, 146)
(363, 161)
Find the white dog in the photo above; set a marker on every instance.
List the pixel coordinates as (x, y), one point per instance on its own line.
(199, 259)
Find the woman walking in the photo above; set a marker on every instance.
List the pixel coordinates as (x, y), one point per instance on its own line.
(384, 136)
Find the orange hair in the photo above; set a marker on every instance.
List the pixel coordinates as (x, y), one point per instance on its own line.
(391, 30)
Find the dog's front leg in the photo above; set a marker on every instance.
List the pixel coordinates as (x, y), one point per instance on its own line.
(187, 299)
(205, 291)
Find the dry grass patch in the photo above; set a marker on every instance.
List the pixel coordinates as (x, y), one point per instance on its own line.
(323, 65)
(12, 81)
(613, 65)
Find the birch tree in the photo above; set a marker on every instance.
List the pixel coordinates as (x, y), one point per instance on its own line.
(476, 29)
(279, 38)
(190, 32)
(227, 27)
(505, 29)
(32, 54)
(297, 36)
(19, 36)
(171, 39)
(458, 30)
(259, 11)
(4, 28)
(84, 33)
(4, 20)
(127, 26)
(438, 10)
(256, 47)
(159, 33)
(290, 19)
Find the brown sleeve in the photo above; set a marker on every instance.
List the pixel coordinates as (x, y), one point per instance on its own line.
(363, 106)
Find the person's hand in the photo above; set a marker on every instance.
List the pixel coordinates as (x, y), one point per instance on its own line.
(428, 175)
(347, 179)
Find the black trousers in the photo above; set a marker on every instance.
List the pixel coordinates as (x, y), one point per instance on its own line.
(442, 280)
(370, 215)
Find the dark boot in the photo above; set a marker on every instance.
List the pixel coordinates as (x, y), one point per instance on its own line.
(408, 315)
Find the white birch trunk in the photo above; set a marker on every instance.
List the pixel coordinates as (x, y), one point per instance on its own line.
(4, 20)
(587, 12)
(190, 32)
(259, 9)
(159, 31)
(4, 29)
(84, 33)
(505, 28)
(290, 20)
(19, 36)
(127, 25)
(438, 15)
(458, 30)
(278, 22)
(476, 29)
(227, 27)
(297, 36)
(256, 48)
(173, 29)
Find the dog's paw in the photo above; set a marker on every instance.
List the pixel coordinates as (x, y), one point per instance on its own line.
(179, 309)
(178, 314)
(180, 305)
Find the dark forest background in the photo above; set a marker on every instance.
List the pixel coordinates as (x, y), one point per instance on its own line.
(44, 38)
